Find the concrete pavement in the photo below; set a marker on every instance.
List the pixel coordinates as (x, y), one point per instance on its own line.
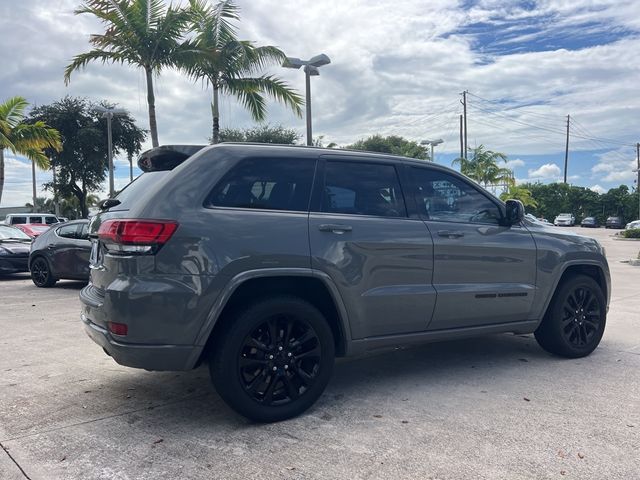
(492, 407)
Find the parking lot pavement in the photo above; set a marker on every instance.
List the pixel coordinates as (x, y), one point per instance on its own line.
(493, 407)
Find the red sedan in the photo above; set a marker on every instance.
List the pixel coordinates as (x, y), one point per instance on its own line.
(33, 229)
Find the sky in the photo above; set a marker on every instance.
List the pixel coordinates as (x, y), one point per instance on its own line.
(397, 67)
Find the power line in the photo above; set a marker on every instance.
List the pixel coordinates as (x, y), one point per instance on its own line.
(540, 127)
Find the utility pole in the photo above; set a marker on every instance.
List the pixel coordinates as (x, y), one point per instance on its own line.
(566, 151)
(638, 180)
(464, 105)
(461, 140)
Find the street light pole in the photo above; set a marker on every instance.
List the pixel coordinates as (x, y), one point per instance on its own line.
(311, 67)
(109, 113)
(307, 76)
(432, 143)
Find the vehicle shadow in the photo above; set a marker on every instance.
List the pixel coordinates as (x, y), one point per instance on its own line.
(8, 277)
(187, 399)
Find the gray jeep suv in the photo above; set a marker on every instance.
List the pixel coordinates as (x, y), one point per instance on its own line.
(267, 262)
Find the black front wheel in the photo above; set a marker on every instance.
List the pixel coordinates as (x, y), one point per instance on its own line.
(273, 360)
(41, 274)
(575, 320)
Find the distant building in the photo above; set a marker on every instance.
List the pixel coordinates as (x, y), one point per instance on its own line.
(4, 211)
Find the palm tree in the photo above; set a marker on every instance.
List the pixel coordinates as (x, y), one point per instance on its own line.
(229, 65)
(483, 167)
(138, 32)
(28, 139)
(518, 192)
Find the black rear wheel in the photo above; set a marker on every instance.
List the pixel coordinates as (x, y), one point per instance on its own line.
(576, 318)
(41, 273)
(273, 360)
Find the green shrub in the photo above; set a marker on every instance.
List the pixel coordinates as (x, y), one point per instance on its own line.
(633, 233)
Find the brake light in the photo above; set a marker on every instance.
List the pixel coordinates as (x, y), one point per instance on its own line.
(136, 236)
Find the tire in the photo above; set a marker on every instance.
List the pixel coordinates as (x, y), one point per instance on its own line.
(41, 274)
(259, 365)
(575, 320)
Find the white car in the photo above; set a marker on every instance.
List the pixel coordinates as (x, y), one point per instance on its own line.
(632, 225)
(565, 220)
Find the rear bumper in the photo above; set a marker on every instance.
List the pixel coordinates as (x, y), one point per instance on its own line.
(149, 357)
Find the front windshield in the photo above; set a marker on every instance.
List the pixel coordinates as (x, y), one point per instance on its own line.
(10, 232)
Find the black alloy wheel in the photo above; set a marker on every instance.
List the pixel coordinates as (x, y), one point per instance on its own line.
(272, 360)
(41, 273)
(575, 320)
(581, 316)
(280, 360)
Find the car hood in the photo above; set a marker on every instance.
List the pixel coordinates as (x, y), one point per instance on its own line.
(15, 246)
(567, 237)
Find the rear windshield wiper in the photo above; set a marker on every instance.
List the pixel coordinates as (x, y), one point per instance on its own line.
(109, 202)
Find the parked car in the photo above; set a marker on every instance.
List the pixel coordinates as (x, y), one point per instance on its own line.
(14, 250)
(614, 222)
(268, 261)
(31, 218)
(565, 220)
(33, 229)
(589, 222)
(632, 225)
(62, 252)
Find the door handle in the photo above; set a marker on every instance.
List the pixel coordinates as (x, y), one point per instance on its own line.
(450, 234)
(334, 228)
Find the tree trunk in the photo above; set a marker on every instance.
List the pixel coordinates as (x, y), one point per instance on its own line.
(33, 178)
(151, 101)
(215, 112)
(1, 172)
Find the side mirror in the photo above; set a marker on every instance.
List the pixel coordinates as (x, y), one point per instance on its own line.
(515, 212)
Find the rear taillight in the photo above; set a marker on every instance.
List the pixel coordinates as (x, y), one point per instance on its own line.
(135, 236)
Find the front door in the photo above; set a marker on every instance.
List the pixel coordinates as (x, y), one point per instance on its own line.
(380, 259)
(484, 272)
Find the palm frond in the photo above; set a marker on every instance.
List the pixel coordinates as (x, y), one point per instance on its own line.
(12, 112)
(82, 60)
(37, 156)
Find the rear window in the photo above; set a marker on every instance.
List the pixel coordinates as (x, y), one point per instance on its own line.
(139, 184)
(18, 220)
(266, 183)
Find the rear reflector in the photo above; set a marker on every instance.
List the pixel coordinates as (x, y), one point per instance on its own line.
(118, 328)
(136, 236)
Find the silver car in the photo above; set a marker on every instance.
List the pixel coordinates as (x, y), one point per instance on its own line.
(267, 262)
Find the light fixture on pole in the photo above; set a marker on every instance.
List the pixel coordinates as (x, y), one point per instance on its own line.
(432, 143)
(311, 67)
(109, 113)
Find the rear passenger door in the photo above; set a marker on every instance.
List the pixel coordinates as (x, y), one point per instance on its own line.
(361, 236)
(484, 272)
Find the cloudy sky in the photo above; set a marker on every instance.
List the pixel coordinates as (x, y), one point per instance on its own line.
(398, 67)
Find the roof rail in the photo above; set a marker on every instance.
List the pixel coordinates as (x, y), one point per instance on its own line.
(166, 157)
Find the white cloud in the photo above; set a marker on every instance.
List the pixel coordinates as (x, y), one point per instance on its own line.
(402, 75)
(548, 171)
(598, 189)
(516, 163)
(18, 182)
(615, 166)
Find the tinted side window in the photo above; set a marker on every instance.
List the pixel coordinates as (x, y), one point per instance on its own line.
(35, 219)
(266, 183)
(68, 231)
(18, 220)
(50, 220)
(362, 189)
(446, 198)
(84, 232)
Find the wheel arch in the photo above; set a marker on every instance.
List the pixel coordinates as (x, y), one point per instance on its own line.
(315, 287)
(591, 269)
